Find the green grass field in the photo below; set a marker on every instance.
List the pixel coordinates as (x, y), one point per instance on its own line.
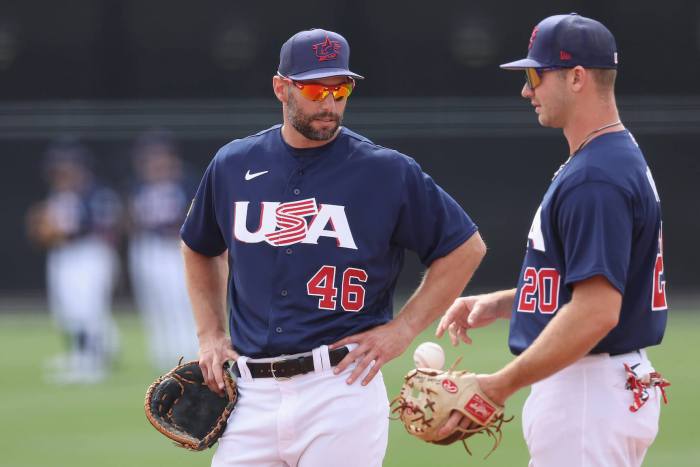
(104, 425)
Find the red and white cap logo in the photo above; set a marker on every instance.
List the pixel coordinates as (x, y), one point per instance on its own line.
(532, 37)
(326, 50)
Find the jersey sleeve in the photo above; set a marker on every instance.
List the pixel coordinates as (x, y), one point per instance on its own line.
(430, 221)
(201, 231)
(595, 225)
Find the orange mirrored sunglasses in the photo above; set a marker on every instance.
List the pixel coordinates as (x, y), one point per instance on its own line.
(533, 76)
(318, 92)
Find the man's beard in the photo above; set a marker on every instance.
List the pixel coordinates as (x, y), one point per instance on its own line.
(302, 123)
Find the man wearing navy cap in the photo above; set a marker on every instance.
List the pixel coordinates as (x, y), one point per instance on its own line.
(309, 222)
(591, 294)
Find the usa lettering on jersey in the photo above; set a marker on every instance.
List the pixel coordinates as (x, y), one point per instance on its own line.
(303, 221)
(535, 237)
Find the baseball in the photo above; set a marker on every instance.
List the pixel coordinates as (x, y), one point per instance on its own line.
(429, 355)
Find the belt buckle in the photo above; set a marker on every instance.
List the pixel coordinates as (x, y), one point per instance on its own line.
(272, 370)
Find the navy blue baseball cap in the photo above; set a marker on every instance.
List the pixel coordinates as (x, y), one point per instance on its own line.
(564, 41)
(315, 53)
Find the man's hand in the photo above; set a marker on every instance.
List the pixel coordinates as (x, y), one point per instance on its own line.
(465, 313)
(456, 419)
(486, 383)
(475, 311)
(381, 345)
(213, 353)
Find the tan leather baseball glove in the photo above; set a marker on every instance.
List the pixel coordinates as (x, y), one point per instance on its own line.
(428, 398)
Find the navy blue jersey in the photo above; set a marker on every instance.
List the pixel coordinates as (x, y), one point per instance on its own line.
(600, 216)
(94, 210)
(159, 208)
(316, 237)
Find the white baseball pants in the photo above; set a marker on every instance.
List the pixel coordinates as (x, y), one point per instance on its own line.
(80, 281)
(310, 420)
(580, 417)
(158, 281)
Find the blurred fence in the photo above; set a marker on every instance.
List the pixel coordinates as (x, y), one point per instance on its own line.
(489, 153)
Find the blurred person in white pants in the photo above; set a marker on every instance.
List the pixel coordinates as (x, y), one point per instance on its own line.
(157, 206)
(77, 224)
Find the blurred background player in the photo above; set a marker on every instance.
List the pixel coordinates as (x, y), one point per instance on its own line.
(157, 206)
(77, 224)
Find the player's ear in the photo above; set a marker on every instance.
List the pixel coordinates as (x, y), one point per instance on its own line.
(279, 87)
(577, 78)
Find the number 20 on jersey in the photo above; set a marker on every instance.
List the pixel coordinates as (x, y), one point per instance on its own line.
(540, 291)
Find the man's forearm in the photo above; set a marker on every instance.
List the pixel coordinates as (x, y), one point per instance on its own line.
(444, 280)
(206, 284)
(504, 300)
(577, 328)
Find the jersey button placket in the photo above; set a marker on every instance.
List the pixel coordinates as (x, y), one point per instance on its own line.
(284, 266)
(295, 181)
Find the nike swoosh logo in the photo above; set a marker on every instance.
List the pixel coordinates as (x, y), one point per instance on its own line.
(250, 176)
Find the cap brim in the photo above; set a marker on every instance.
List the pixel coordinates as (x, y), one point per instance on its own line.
(324, 73)
(522, 64)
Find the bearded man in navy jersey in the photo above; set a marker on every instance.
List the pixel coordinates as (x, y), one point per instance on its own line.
(309, 222)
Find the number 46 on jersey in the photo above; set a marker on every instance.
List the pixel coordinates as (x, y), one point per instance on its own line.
(352, 292)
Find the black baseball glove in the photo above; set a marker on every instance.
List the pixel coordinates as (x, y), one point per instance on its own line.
(182, 407)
